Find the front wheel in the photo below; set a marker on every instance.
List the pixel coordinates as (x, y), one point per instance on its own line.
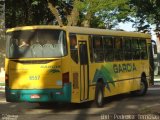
(99, 95)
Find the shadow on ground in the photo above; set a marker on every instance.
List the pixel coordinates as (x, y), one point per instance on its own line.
(120, 104)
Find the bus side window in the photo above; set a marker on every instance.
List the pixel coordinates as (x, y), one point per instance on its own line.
(73, 47)
(127, 49)
(91, 49)
(135, 49)
(143, 49)
(98, 49)
(118, 49)
(108, 48)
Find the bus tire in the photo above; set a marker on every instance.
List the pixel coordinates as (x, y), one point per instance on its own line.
(143, 87)
(99, 95)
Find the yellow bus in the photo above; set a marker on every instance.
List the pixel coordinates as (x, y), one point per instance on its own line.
(74, 64)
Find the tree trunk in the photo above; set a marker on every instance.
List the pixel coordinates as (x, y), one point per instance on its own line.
(55, 13)
(87, 20)
(74, 16)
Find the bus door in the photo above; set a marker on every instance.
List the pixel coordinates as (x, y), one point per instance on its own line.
(84, 70)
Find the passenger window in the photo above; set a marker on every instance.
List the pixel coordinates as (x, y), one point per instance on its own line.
(135, 49)
(108, 48)
(98, 49)
(127, 49)
(91, 49)
(73, 47)
(118, 49)
(143, 49)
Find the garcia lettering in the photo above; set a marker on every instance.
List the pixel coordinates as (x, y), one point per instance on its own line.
(129, 67)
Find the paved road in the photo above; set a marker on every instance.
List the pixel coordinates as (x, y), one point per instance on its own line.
(121, 104)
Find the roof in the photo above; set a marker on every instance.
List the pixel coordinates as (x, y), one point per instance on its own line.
(83, 30)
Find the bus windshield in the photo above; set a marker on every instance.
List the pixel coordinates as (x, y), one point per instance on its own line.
(38, 43)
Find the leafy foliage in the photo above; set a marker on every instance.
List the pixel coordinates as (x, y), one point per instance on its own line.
(146, 12)
(89, 13)
(27, 12)
(107, 13)
(93, 13)
(2, 33)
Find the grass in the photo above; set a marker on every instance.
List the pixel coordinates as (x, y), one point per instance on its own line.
(2, 84)
(145, 110)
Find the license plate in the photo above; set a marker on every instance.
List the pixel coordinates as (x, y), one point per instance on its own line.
(35, 96)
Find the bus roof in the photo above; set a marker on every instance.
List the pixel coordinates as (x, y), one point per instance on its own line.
(83, 30)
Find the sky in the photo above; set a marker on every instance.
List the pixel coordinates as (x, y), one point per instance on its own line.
(128, 27)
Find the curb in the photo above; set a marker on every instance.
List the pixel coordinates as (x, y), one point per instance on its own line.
(154, 86)
(2, 88)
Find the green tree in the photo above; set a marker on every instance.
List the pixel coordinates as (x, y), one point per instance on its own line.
(27, 12)
(89, 13)
(2, 34)
(146, 12)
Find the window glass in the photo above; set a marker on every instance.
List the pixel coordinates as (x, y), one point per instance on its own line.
(143, 49)
(64, 44)
(108, 48)
(127, 49)
(73, 47)
(91, 48)
(135, 49)
(118, 49)
(98, 49)
(37, 43)
(83, 53)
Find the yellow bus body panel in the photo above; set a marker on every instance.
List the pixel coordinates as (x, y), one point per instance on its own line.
(124, 80)
(35, 76)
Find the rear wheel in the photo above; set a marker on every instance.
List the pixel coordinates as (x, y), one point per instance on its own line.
(99, 95)
(143, 87)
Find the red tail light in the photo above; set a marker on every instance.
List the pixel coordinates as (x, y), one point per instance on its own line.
(6, 80)
(65, 78)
